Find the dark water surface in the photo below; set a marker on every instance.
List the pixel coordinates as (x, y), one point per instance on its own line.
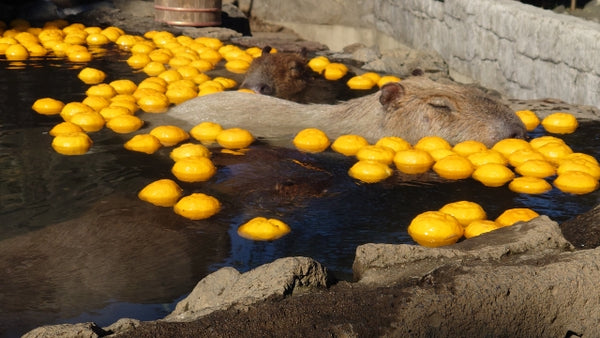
(77, 245)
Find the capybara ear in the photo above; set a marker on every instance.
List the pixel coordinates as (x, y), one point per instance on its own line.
(391, 92)
(266, 49)
(304, 52)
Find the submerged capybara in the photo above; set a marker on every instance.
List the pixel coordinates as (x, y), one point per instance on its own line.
(288, 76)
(411, 109)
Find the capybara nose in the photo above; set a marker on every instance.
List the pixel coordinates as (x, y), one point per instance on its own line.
(518, 131)
(265, 89)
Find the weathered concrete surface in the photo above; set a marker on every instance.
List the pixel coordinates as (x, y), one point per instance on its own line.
(520, 50)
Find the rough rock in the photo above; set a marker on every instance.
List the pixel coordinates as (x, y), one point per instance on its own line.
(402, 61)
(80, 330)
(227, 288)
(381, 264)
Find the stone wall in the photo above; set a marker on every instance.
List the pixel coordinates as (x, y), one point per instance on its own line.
(520, 50)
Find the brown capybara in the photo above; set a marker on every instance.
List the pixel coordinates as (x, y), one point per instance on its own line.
(288, 76)
(410, 109)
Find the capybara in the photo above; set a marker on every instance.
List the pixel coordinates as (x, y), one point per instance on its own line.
(288, 76)
(411, 109)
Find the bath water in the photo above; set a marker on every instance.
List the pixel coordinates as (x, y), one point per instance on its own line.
(50, 199)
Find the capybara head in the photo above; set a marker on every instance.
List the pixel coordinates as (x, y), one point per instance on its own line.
(420, 107)
(283, 75)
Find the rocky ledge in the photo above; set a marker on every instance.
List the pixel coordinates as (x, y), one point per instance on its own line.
(525, 280)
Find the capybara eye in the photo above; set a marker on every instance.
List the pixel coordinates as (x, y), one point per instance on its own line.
(442, 104)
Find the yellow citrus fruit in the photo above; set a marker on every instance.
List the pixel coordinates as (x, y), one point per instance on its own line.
(529, 185)
(529, 119)
(194, 169)
(510, 145)
(413, 161)
(581, 165)
(541, 141)
(434, 229)
(465, 212)
(376, 153)
(169, 135)
(47, 106)
(487, 156)
(65, 128)
(197, 206)
(440, 153)
(154, 103)
(393, 142)
(111, 112)
(335, 71)
(188, 72)
(580, 156)
(373, 76)
(468, 147)
(514, 215)
(209, 90)
(454, 167)
(576, 182)
(189, 150)
(493, 174)
(360, 82)
(73, 108)
(235, 138)
(124, 124)
(318, 63)
(370, 171)
(79, 56)
(479, 227)
(237, 66)
(91, 75)
(180, 94)
(202, 66)
(560, 123)
(144, 143)
(429, 143)
(170, 75)
(348, 144)
(153, 68)
(101, 89)
(88, 121)
(72, 144)
(96, 39)
(386, 79)
(123, 86)
(16, 52)
(226, 82)
(311, 140)
(206, 131)
(162, 193)
(263, 229)
(536, 168)
(138, 61)
(523, 155)
(96, 102)
(554, 152)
